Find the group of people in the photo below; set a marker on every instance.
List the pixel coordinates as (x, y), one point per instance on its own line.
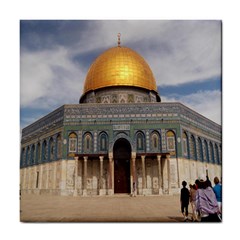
(205, 200)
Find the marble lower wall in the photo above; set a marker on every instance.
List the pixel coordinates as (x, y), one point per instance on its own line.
(190, 170)
(63, 178)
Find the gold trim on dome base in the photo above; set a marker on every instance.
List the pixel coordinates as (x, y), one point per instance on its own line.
(119, 66)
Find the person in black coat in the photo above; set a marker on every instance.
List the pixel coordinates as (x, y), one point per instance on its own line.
(184, 199)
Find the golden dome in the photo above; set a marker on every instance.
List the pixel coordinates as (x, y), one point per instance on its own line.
(119, 66)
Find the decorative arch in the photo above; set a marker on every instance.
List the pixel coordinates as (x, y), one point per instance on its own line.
(125, 136)
(51, 149)
(220, 153)
(155, 141)
(193, 152)
(27, 156)
(44, 150)
(87, 142)
(200, 149)
(58, 146)
(22, 157)
(171, 143)
(103, 142)
(206, 155)
(32, 155)
(38, 152)
(185, 144)
(212, 153)
(140, 141)
(72, 142)
(217, 154)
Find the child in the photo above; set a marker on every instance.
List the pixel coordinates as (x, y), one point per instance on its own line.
(184, 199)
(192, 198)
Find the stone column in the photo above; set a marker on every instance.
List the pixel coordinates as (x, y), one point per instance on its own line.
(40, 178)
(63, 177)
(75, 193)
(101, 191)
(134, 180)
(29, 178)
(159, 175)
(47, 177)
(54, 175)
(24, 178)
(143, 176)
(110, 181)
(85, 176)
(169, 174)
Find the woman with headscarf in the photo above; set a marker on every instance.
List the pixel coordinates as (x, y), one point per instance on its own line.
(206, 202)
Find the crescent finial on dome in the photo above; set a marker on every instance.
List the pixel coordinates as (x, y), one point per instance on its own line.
(119, 42)
(119, 67)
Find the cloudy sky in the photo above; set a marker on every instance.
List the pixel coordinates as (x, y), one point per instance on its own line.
(185, 57)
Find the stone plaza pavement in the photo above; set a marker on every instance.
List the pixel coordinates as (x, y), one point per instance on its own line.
(117, 208)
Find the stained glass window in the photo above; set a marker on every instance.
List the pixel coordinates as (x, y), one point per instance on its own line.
(140, 141)
(170, 141)
(38, 153)
(217, 154)
(87, 143)
(200, 150)
(193, 148)
(51, 149)
(206, 155)
(212, 153)
(103, 142)
(185, 152)
(155, 141)
(32, 157)
(44, 150)
(59, 146)
(72, 142)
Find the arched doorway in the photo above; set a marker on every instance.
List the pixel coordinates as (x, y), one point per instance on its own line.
(122, 156)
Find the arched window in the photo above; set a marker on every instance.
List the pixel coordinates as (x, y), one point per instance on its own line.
(217, 154)
(140, 141)
(220, 153)
(87, 143)
(51, 149)
(206, 155)
(59, 146)
(44, 150)
(22, 157)
(170, 141)
(32, 156)
(155, 142)
(193, 154)
(212, 153)
(200, 150)
(103, 142)
(27, 157)
(185, 145)
(38, 153)
(72, 141)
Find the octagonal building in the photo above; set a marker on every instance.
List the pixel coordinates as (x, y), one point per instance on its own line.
(120, 138)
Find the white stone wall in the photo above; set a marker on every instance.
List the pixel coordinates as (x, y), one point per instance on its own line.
(190, 170)
(61, 177)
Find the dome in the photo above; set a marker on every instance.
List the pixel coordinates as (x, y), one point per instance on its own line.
(119, 66)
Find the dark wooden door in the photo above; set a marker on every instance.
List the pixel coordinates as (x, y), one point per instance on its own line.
(121, 176)
(122, 155)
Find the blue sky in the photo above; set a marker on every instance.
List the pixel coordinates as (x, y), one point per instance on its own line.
(185, 57)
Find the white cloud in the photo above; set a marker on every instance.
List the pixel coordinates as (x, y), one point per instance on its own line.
(207, 103)
(49, 78)
(177, 51)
